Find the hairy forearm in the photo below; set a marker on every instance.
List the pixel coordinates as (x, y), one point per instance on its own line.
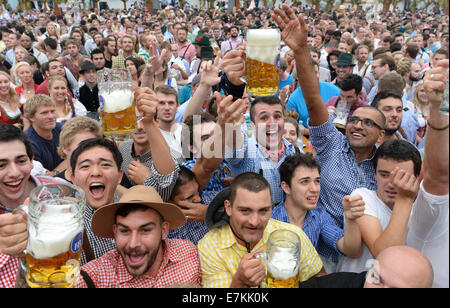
(436, 160)
(395, 232)
(162, 158)
(350, 243)
(310, 88)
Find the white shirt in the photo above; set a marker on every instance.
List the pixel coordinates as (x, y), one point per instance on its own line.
(428, 233)
(373, 207)
(173, 139)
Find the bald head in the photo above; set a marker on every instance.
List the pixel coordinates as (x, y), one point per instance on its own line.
(402, 267)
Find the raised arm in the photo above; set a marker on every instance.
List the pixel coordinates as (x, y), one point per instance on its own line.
(436, 160)
(210, 77)
(146, 103)
(294, 33)
(213, 148)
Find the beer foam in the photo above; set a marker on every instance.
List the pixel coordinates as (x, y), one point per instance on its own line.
(263, 45)
(283, 265)
(118, 100)
(52, 238)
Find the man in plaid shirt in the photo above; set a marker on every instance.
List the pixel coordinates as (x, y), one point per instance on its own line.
(144, 257)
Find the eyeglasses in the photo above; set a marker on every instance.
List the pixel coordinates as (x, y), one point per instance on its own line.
(365, 122)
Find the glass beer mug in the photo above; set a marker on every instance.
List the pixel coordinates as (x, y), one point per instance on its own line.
(55, 235)
(262, 61)
(116, 99)
(283, 259)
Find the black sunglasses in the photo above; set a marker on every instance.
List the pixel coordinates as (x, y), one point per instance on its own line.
(365, 122)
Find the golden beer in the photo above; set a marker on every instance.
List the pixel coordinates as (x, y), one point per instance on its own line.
(121, 122)
(55, 235)
(60, 271)
(262, 61)
(283, 259)
(116, 99)
(273, 282)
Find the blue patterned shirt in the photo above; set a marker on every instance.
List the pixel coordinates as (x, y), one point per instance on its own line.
(340, 173)
(251, 158)
(215, 184)
(318, 226)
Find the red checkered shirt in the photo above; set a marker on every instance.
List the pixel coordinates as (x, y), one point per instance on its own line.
(8, 270)
(181, 264)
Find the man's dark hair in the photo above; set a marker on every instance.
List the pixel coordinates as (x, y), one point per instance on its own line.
(383, 95)
(250, 181)
(350, 82)
(386, 59)
(52, 43)
(412, 49)
(10, 133)
(126, 209)
(395, 47)
(202, 117)
(92, 143)
(96, 51)
(400, 151)
(269, 100)
(184, 176)
(290, 164)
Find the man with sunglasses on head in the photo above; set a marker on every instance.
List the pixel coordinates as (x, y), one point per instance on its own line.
(346, 160)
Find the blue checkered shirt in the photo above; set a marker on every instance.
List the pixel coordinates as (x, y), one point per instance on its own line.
(340, 173)
(215, 184)
(251, 158)
(318, 226)
(192, 231)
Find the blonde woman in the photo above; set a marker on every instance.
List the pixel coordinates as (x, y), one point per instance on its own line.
(24, 73)
(66, 107)
(420, 106)
(10, 108)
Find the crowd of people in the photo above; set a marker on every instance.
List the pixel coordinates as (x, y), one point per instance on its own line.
(191, 197)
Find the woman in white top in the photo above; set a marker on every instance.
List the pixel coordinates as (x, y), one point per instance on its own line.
(66, 107)
(23, 72)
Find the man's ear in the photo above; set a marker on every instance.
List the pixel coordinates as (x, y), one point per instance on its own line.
(227, 204)
(286, 188)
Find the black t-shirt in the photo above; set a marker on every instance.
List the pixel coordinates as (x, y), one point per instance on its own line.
(336, 280)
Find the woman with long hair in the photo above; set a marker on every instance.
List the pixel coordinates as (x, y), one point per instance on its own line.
(66, 107)
(10, 108)
(162, 77)
(132, 64)
(24, 73)
(420, 106)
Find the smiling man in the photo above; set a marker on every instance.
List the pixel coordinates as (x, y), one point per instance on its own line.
(391, 105)
(44, 132)
(346, 161)
(240, 225)
(388, 208)
(16, 183)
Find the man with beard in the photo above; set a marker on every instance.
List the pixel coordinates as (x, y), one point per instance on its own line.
(26, 40)
(185, 49)
(145, 257)
(412, 78)
(232, 43)
(346, 160)
(390, 104)
(128, 43)
(44, 132)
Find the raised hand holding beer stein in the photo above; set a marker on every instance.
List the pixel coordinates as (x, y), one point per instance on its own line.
(262, 61)
(116, 98)
(55, 233)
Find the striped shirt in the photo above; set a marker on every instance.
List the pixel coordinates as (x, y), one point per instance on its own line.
(180, 264)
(220, 254)
(252, 158)
(341, 173)
(318, 226)
(163, 183)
